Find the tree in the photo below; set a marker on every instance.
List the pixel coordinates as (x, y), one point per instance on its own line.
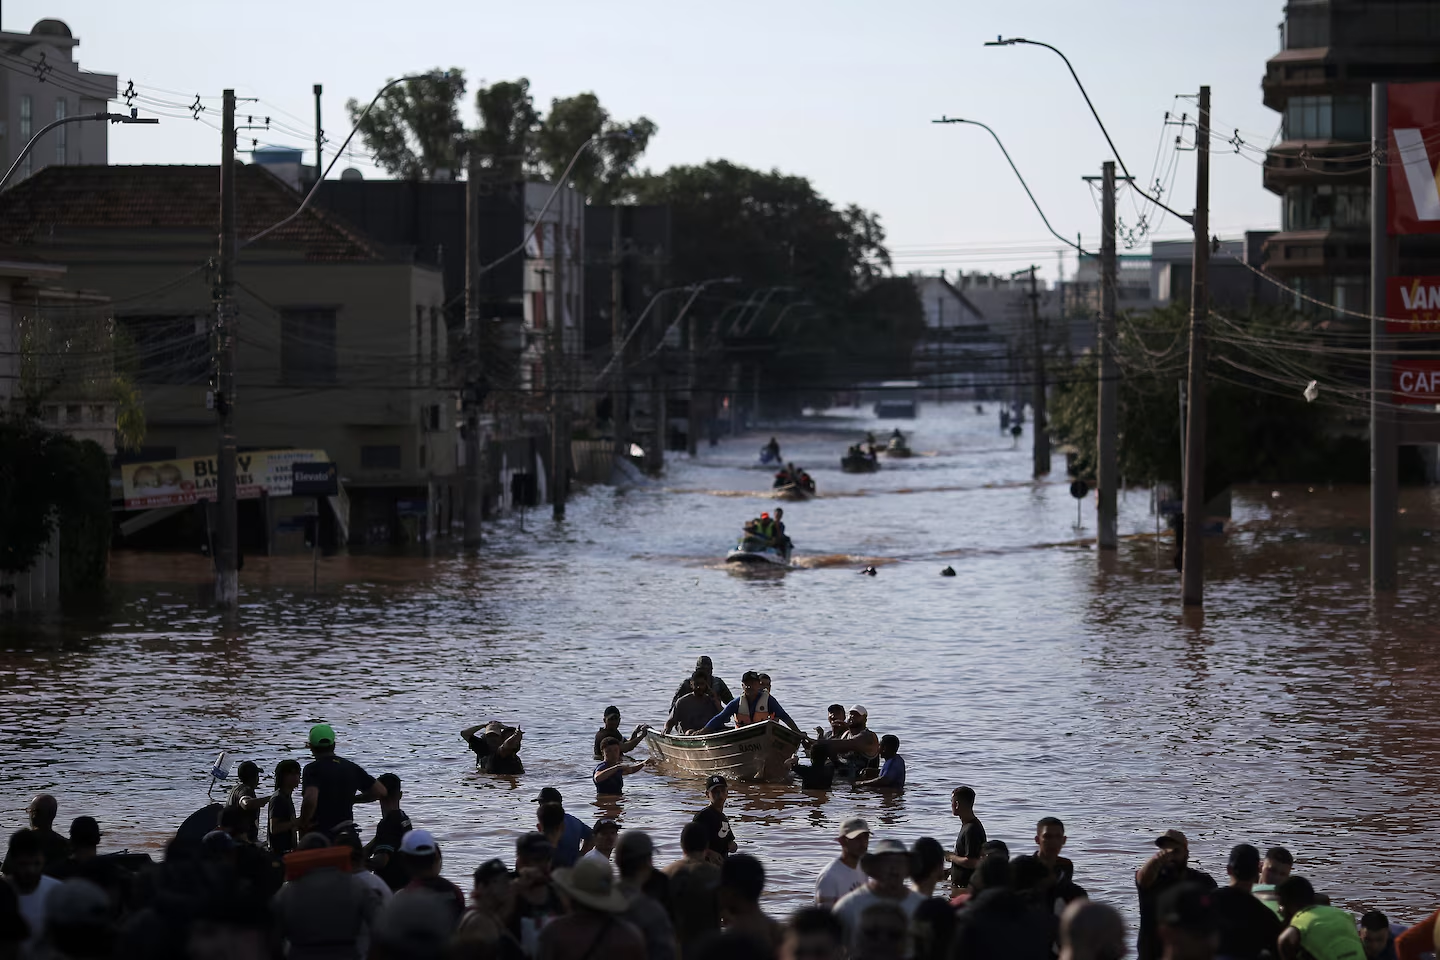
(415, 130)
(600, 172)
(504, 142)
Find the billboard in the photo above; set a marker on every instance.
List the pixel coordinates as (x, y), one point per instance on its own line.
(1412, 304)
(1414, 156)
(1416, 381)
(185, 480)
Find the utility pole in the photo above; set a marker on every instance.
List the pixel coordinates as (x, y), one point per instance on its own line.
(692, 407)
(474, 480)
(1107, 474)
(617, 336)
(227, 551)
(1040, 428)
(319, 137)
(1193, 556)
(1384, 483)
(559, 401)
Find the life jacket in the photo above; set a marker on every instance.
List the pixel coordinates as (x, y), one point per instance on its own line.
(745, 716)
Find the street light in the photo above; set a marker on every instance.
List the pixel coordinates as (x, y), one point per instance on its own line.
(1012, 41)
(694, 289)
(78, 118)
(1033, 201)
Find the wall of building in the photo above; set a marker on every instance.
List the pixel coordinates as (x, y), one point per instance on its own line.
(65, 87)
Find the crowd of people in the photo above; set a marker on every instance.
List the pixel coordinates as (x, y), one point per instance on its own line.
(315, 884)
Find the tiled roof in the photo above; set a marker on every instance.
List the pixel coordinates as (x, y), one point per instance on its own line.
(172, 197)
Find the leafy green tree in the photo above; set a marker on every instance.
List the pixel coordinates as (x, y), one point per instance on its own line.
(415, 130)
(504, 142)
(600, 172)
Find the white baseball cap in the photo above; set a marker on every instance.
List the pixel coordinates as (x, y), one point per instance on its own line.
(860, 710)
(419, 843)
(854, 827)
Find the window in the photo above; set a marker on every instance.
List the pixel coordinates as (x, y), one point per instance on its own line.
(60, 139)
(166, 349)
(1307, 25)
(1326, 206)
(436, 332)
(307, 345)
(27, 130)
(380, 457)
(1345, 117)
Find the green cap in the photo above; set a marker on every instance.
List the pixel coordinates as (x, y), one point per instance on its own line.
(322, 735)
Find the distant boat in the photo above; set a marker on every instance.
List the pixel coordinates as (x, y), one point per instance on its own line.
(898, 448)
(756, 550)
(792, 491)
(859, 463)
(757, 751)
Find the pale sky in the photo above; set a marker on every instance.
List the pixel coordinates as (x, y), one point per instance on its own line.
(841, 92)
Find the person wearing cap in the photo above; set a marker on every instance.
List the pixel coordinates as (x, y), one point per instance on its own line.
(606, 831)
(609, 774)
(718, 686)
(843, 874)
(243, 796)
(635, 861)
(332, 785)
(593, 928)
(575, 837)
(612, 729)
(1315, 931)
(1168, 867)
(719, 838)
(535, 901)
(886, 866)
(1246, 926)
(754, 705)
(423, 863)
(484, 921)
(691, 712)
(496, 746)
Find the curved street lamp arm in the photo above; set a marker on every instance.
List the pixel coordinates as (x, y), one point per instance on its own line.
(976, 123)
(77, 118)
(336, 159)
(1010, 41)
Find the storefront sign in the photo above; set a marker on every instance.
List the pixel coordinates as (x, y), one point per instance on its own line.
(168, 483)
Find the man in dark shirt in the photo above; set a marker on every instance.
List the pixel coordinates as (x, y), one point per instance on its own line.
(331, 785)
(692, 711)
(1169, 867)
(703, 665)
(612, 729)
(971, 841)
(1247, 927)
(536, 901)
(389, 833)
(496, 747)
(719, 838)
(243, 797)
(53, 847)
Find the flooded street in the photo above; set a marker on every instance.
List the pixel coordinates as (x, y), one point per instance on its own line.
(1295, 712)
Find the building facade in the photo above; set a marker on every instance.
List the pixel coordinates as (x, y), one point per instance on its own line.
(1331, 52)
(40, 82)
(341, 347)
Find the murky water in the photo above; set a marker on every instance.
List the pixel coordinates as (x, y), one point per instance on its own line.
(1053, 681)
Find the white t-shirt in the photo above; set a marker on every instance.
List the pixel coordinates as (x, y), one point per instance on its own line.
(853, 904)
(835, 881)
(32, 906)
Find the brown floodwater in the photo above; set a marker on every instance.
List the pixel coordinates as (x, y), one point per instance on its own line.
(1054, 681)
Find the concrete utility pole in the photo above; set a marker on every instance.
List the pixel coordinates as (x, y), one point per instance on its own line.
(474, 480)
(617, 337)
(1040, 428)
(1384, 468)
(1193, 557)
(319, 137)
(692, 409)
(559, 401)
(1107, 474)
(227, 551)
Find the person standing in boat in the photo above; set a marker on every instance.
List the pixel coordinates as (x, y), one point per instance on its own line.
(754, 705)
(703, 665)
(692, 711)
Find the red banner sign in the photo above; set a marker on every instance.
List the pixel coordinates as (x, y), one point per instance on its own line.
(1416, 381)
(1412, 304)
(1414, 155)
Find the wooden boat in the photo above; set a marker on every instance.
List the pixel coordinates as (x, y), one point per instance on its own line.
(792, 491)
(759, 751)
